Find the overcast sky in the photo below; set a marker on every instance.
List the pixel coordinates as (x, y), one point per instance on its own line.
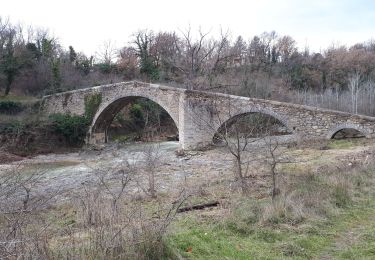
(86, 24)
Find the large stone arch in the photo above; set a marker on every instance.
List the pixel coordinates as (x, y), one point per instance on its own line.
(108, 110)
(340, 127)
(264, 111)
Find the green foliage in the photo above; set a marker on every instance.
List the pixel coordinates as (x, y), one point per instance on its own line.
(10, 63)
(123, 138)
(92, 103)
(72, 127)
(84, 64)
(154, 111)
(72, 54)
(149, 68)
(298, 77)
(33, 50)
(12, 128)
(343, 143)
(148, 65)
(136, 115)
(56, 75)
(10, 107)
(142, 118)
(47, 48)
(106, 68)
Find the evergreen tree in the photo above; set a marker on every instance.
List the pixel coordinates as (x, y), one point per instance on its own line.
(72, 54)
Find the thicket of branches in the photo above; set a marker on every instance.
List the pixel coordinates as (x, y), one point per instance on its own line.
(106, 218)
(265, 66)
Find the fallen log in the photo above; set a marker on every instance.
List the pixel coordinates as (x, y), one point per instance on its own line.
(198, 207)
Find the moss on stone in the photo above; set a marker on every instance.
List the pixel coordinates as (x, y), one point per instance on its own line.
(92, 103)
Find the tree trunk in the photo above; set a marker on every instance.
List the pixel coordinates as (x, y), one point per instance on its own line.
(275, 190)
(7, 88)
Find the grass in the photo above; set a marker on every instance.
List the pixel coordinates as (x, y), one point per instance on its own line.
(346, 230)
(16, 98)
(214, 241)
(356, 236)
(344, 143)
(28, 113)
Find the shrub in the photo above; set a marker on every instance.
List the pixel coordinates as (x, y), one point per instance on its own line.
(12, 128)
(72, 127)
(106, 68)
(10, 107)
(285, 210)
(92, 103)
(136, 115)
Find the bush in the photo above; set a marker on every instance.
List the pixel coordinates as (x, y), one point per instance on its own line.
(136, 115)
(92, 103)
(106, 68)
(72, 127)
(285, 210)
(10, 107)
(11, 128)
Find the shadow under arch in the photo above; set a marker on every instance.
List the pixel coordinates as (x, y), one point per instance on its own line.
(347, 131)
(256, 122)
(106, 114)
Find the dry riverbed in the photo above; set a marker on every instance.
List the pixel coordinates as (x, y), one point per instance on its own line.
(210, 169)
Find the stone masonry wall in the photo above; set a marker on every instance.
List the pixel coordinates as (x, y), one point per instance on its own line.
(198, 115)
(208, 111)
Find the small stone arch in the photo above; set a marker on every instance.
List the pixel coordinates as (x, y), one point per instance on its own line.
(281, 118)
(340, 127)
(107, 111)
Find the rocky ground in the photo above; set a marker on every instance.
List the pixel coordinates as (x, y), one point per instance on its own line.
(66, 173)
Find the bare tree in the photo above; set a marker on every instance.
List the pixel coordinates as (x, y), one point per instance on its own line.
(193, 54)
(128, 230)
(128, 62)
(113, 181)
(354, 85)
(152, 161)
(273, 158)
(107, 52)
(21, 203)
(241, 134)
(237, 133)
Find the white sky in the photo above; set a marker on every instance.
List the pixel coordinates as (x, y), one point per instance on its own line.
(86, 24)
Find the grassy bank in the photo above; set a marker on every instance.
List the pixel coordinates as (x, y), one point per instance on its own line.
(319, 217)
(313, 239)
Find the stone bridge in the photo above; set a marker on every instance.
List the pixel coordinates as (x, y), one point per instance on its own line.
(198, 115)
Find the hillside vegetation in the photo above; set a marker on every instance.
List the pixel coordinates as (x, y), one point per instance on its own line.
(268, 65)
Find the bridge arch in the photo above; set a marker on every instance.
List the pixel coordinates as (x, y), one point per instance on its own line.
(338, 128)
(195, 113)
(232, 118)
(109, 109)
